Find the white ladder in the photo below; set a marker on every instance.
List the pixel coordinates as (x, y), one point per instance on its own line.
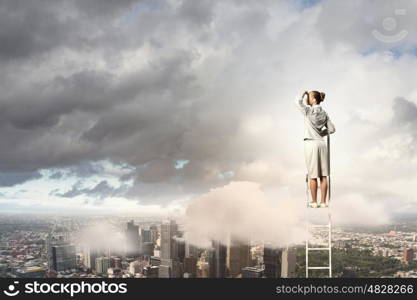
(328, 247)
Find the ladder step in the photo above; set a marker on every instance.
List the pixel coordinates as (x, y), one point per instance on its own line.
(321, 248)
(318, 268)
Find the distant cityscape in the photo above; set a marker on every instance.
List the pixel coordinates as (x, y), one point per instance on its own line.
(39, 246)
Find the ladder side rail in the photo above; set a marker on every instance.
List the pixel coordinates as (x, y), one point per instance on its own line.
(328, 203)
(307, 223)
(328, 163)
(330, 244)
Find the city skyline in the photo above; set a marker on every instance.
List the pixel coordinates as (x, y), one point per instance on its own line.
(51, 247)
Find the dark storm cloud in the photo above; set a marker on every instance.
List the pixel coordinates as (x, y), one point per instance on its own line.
(102, 118)
(101, 190)
(8, 179)
(98, 8)
(85, 169)
(42, 106)
(148, 118)
(156, 171)
(68, 121)
(30, 28)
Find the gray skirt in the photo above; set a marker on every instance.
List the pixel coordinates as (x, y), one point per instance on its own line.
(315, 153)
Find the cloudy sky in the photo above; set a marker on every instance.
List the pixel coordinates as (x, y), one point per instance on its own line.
(140, 106)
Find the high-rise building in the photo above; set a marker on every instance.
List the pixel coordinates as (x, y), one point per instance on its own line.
(145, 235)
(190, 266)
(272, 261)
(132, 239)
(191, 250)
(288, 263)
(90, 255)
(238, 256)
(252, 272)
(170, 266)
(102, 265)
(217, 260)
(180, 248)
(408, 255)
(154, 233)
(169, 248)
(63, 257)
(60, 253)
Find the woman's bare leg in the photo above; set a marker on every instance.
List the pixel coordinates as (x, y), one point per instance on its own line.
(313, 189)
(323, 188)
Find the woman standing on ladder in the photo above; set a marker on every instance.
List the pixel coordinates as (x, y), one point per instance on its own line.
(317, 125)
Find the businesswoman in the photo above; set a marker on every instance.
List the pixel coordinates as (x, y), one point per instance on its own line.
(317, 125)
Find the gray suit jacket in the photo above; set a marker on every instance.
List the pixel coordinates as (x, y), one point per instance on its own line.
(317, 122)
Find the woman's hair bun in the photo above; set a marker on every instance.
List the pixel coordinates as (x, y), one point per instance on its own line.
(319, 96)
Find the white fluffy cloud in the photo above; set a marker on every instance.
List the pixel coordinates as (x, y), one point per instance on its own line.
(245, 211)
